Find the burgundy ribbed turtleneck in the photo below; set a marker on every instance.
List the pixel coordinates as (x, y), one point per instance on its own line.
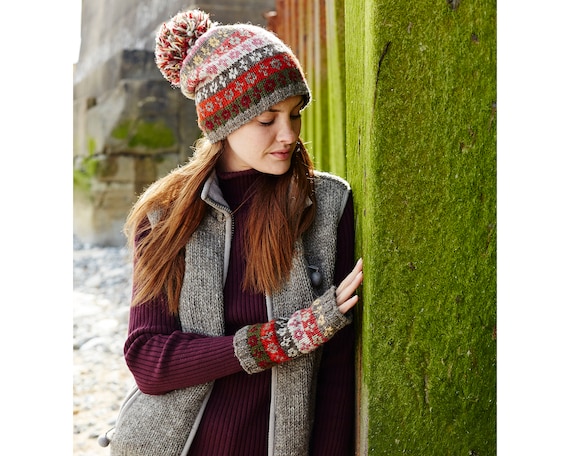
(236, 419)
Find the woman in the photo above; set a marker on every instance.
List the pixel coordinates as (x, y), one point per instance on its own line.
(242, 267)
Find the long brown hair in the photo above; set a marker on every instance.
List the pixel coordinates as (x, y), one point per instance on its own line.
(279, 215)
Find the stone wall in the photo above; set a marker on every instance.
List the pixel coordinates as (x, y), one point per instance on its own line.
(130, 126)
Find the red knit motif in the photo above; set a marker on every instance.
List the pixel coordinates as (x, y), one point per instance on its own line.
(229, 110)
(270, 343)
(260, 74)
(210, 57)
(305, 331)
(278, 341)
(257, 350)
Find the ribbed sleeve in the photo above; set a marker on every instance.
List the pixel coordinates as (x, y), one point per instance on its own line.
(162, 358)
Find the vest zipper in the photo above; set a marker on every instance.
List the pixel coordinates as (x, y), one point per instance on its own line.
(229, 236)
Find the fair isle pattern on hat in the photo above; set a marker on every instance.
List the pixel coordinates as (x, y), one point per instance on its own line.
(237, 72)
(233, 72)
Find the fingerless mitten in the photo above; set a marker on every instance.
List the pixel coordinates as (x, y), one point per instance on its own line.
(263, 345)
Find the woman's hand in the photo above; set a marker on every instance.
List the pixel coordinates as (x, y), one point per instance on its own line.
(345, 291)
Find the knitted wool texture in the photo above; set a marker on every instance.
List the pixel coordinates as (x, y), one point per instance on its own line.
(233, 72)
(165, 424)
(283, 339)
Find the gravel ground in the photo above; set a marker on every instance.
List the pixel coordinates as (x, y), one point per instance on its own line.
(101, 296)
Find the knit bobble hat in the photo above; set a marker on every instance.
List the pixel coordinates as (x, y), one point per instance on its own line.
(233, 72)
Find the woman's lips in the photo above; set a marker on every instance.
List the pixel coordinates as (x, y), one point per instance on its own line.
(281, 154)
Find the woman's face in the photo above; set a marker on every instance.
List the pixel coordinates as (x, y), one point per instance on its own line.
(265, 143)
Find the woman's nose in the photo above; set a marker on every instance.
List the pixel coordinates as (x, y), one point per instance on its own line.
(287, 133)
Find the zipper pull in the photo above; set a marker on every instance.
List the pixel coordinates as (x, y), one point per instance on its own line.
(104, 440)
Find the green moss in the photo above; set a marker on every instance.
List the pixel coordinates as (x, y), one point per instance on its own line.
(81, 182)
(121, 131)
(91, 146)
(423, 168)
(323, 121)
(334, 116)
(86, 169)
(140, 133)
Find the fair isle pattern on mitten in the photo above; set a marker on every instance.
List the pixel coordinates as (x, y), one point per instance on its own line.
(282, 339)
(264, 345)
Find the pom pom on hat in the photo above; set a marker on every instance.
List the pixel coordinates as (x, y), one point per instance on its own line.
(175, 38)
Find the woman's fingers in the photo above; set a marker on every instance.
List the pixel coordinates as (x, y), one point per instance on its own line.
(349, 280)
(347, 305)
(345, 291)
(350, 288)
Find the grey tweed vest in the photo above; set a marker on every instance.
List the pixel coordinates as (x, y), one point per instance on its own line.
(165, 425)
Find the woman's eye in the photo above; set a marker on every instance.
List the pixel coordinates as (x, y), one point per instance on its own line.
(267, 123)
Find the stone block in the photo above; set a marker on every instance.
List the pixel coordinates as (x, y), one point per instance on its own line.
(124, 140)
(103, 200)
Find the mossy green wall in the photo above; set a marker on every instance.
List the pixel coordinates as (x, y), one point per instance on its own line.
(321, 49)
(421, 157)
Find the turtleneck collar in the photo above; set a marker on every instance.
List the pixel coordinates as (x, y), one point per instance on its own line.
(235, 185)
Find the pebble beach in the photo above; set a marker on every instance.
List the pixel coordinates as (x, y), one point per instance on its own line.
(101, 297)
